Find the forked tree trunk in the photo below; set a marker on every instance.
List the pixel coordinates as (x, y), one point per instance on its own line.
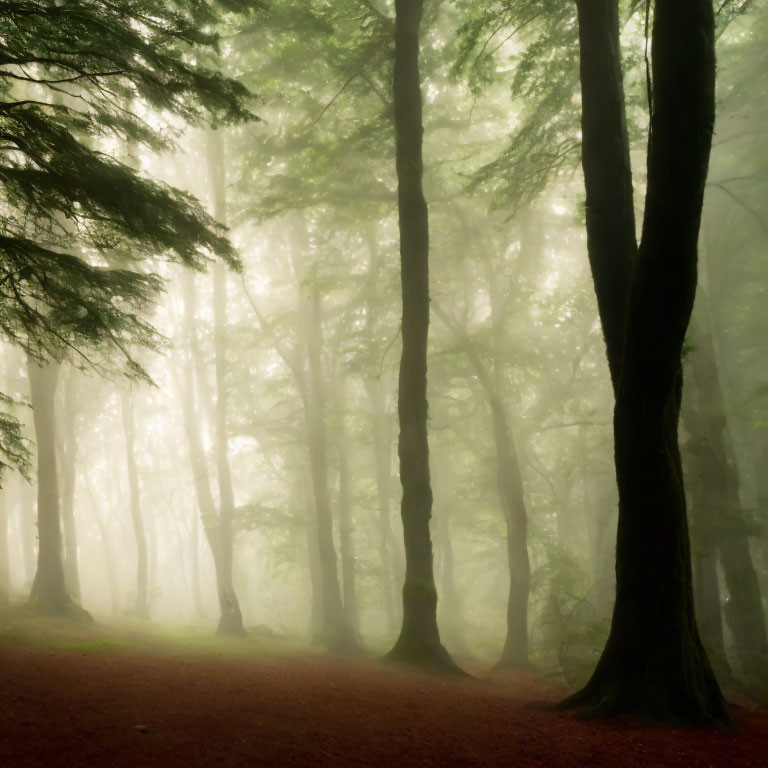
(654, 662)
(419, 640)
(231, 621)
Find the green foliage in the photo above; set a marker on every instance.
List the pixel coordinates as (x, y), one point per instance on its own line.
(78, 226)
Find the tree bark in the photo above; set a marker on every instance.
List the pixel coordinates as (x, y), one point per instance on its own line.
(231, 621)
(202, 483)
(419, 640)
(68, 453)
(5, 571)
(654, 662)
(337, 633)
(49, 595)
(720, 486)
(610, 212)
(142, 560)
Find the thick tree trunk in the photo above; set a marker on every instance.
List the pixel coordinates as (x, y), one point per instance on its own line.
(610, 213)
(231, 621)
(49, 594)
(142, 591)
(654, 662)
(419, 640)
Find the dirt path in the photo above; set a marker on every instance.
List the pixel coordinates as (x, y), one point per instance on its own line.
(122, 708)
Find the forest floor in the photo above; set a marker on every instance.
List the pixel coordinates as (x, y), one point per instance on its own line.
(96, 696)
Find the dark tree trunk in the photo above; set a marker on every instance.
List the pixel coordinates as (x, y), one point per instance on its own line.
(610, 213)
(142, 591)
(231, 621)
(49, 594)
(419, 640)
(654, 662)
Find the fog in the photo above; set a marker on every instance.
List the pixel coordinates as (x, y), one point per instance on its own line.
(219, 453)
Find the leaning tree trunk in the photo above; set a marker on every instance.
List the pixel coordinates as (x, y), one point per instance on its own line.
(654, 662)
(231, 621)
(419, 640)
(142, 560)
(49, 594)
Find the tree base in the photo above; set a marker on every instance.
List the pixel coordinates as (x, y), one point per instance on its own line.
(231, 625)
(430, 657)
(674, 699)
(69, 610)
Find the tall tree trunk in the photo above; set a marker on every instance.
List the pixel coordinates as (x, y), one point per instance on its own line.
(26, 519)
(49, 594)
(228, 619)
(419, 640)
(721, 489)
(68, 453)
(390, 567)
(337, 633)
(231, 621)
(346, 546)
(703, 516)
(654, 662)
(610, 212)
(5, 571)
(142, 591)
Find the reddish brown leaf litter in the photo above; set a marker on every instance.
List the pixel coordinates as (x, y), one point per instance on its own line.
(115, 708)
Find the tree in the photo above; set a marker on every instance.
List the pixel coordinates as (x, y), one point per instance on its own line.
(72, 212)
(419, 639)
(70, 207)
(654, 662)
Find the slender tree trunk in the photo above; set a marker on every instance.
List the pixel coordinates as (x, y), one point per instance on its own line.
(228, 607)
(49, 594)
(231, 621)
(346, 546)
(26, 517)
(336, 632)
(419, 640)
(142, 591)
(5, 571)
(390, 568)
(109, 561)
(68, 453)
(654, 662)
(721, 490)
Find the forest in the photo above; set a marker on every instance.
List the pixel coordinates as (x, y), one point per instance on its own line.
(384, 381)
